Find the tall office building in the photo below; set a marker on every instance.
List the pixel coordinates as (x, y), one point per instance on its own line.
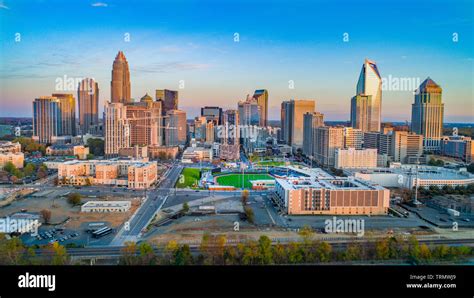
(310, 122)
(175, 128)
(427, 114)
(117, 128)
(88, 99)
(261, 96)
(359, 112)
(327, 140)
(249, 112)
(353, 138)
(168, 98)
(213, 114)
(406, 147)
(293, 124)
(144, 119)
(370, 85)
(120, 84)
(231, 131)
(285, 133)
(46, 119)
(67, 108)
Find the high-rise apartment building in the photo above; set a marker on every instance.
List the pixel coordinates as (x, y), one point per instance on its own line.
(353, 138)
(67, 108)
(46, 119)
(427, 114)
(406, 147)
(117, 128)
(175, 128)
(355, 159)
(168, 98)
(327, 140)
(293, 120)
(144, 119)
(310, 122)
(88, 99)
(369, 85)
(261, 96)
(120, 84)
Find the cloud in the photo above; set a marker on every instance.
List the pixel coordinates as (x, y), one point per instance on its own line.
(3, 6)
(99, 4)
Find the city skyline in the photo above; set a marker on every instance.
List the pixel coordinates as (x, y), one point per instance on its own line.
(218, 70)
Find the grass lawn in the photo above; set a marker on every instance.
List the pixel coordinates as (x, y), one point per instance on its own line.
(236, 179)
(191, 178)
(271, 163)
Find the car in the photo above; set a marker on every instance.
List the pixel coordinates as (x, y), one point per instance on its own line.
(466, 219)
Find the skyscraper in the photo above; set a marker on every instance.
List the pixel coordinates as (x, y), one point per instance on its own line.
(175, 130)
(213, 114)
(293, 126)
(353, 138)
(310, 122)
(120, 84)
(88, 99)
(46, 119)
(144, 118)
(427, 114)
(67, 108)
(168, 98)
(117, 128)
(359, 112)
(249, 112)
(231, 131)
(327, 140)
(370, 84)
(261, 96)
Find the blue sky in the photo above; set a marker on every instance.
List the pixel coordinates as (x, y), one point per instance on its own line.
(279, 41)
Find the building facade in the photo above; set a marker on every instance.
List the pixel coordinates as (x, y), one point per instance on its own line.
(427, 114)
(46, 119)
(120, 85)
(168, 99)
(370, 85)
(88, 99)
(327, 140)
(355, 158)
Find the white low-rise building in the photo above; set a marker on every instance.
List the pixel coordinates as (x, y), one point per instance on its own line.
(106, 206)
(355, 159)
(407, 176)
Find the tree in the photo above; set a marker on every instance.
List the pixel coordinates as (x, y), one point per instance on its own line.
(425, 252)
(306, 233)
(128, 256)
(147, 254)
(96, 146)
(185, 207)
(324, 251)
(353, 252)
(9, 167)
(11, 251)
(265, 250)
(182, 256)
(29, 169)
(42, 172)
(46, 214)
(59, 255)
(245, 197)
(249, 214)
(382, 251)
(90, 156)
(74, 199)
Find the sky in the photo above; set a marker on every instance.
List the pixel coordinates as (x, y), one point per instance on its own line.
(217, 52)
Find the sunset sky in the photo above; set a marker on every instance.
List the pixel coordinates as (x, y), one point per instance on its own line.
(279, 41)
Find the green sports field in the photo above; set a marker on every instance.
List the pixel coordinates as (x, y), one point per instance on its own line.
(190, 177)
(236, 179)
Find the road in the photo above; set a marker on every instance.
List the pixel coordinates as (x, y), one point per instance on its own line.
(153, 201)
